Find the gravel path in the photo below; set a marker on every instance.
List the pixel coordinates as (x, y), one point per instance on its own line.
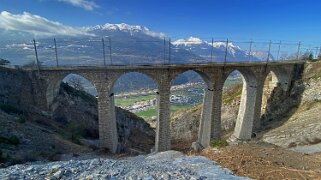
(165, 165)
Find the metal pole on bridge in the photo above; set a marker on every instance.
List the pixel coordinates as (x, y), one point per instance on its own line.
(164, 50)
(36, 53)
(279, 49)
(226, 49)
(56, 52)
(250, 52)
(298, 53)
(212, 50)
(104, 53)
(169, 51)
(268, 57)
(110, 56)
(316, 53)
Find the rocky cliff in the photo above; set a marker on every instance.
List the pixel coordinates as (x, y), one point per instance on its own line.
(289, 119)
(185, 124)
(28, 134)
(301, 125)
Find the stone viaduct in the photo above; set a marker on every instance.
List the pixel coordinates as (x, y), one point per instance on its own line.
(214, 76)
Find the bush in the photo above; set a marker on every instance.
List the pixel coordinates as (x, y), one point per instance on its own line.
(218, 143)
(10, 109)
(12, 140)
(21, 119)
(74, 131)
(2, 159)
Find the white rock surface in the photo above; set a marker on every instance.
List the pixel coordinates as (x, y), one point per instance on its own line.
(164, 165)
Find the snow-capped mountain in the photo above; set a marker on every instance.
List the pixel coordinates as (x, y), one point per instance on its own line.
(263, 55)
(124, 45)
(213, 52)
(131, 29)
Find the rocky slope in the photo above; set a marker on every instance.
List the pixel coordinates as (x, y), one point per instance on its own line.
(28, 134)
(165, 165)
(301, 126)
(185, 124)
(131, 128)
(289, 119)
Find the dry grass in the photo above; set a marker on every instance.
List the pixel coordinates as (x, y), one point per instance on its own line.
(265, 162)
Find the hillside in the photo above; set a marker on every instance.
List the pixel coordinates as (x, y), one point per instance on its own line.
(29, 134)
(288, 144)
(301, 126)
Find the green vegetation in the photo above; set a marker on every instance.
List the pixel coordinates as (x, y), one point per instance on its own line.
(218, 143)
(12, 140)
(21, 119)
(74, 131)
(234, 91)
(231, 93)
(316, 75)
(148, 114)
(9, 109)
(230, 82)
(2, 158)
(126, 101)
(312, 70)
(178, 107)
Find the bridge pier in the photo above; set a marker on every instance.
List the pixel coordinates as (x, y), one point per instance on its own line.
(163, 136)
(204, 131)
(258, 103)
(217, 109)
(245, 118)
(108, 137)
(210, 123)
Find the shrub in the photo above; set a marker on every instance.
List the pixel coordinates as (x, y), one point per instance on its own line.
(218, 143)
(2, 159)
(12, 140)
(74, 131)
(21, 119)
(10, 109)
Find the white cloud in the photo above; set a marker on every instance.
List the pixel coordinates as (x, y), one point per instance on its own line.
(36, 25)
(85, 4)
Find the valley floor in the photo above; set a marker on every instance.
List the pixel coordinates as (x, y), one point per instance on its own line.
(265, 161)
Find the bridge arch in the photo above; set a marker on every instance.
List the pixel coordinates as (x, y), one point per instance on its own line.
(84, 125)
(204, 76)
(136, 91)
(190, 89)
(279, 77)
(150, 75)
(54, 84)
(276, 83)
(245, 117)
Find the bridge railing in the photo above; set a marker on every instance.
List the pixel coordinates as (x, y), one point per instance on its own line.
(109, 51)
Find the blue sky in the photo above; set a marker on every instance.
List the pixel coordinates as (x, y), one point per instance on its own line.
(291, 20)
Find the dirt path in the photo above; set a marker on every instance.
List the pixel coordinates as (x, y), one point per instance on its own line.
(265, 161)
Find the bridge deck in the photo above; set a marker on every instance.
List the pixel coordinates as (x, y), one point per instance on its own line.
(164, 66)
